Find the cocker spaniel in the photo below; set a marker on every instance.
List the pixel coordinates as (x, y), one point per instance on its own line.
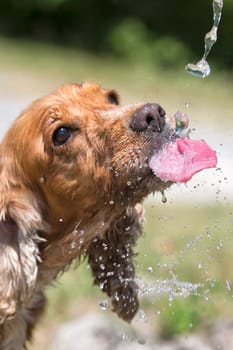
(74, 167)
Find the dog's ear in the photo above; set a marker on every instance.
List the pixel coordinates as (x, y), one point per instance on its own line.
(20, 221)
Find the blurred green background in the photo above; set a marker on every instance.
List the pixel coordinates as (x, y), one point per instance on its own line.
(139, 48)
(125, 28)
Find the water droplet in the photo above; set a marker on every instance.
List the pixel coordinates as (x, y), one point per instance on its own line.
(104, 304)
(142, 314)
(182, 120)
(228, 285)
(42, 180)
(171, 297)
(102, 267)
(129, 183)
(200, 69)
(105, 246)
(150, 269)
(81, 241)
(111, 202)
(220, 245)
(110, 273)
(187, 104)
(60, 220)
(164, 198)
(73, 245)
(124, 337)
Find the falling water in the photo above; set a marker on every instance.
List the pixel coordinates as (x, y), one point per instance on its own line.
(202, 68)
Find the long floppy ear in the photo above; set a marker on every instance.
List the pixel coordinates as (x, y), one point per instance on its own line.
(20, 221)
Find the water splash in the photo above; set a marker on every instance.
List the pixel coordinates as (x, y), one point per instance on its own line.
(202, 68)
(172, 287)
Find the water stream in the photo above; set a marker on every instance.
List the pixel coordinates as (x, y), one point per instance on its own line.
(202, 68)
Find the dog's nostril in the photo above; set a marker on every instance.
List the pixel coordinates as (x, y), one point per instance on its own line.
(149, 119)
(150, 116)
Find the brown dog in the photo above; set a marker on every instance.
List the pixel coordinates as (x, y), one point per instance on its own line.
(73, 168)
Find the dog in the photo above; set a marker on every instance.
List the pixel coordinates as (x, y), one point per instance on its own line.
(74, 168)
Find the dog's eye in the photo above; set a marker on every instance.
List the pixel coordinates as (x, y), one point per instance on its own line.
(62, 135)
(113, 98)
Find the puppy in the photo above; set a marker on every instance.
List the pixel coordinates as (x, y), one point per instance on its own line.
(74, 167)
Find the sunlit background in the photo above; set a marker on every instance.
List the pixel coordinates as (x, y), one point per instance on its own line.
(184, 266)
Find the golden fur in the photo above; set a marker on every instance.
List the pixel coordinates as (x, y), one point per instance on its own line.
(80, 198)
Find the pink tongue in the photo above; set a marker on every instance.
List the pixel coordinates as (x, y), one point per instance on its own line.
(180, 160)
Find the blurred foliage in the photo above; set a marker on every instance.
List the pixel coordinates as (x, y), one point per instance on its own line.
(182, 316)
(165, 32)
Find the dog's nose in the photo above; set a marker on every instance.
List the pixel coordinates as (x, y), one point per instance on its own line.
(150, 116)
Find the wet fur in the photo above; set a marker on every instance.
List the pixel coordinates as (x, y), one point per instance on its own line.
(80, 199)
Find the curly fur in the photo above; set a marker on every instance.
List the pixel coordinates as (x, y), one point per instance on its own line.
(61, 202)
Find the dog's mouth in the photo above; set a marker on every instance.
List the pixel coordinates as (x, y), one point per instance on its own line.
(180, 159)
(166, 153)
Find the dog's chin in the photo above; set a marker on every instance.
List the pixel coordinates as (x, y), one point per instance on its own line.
(153, 184)
(141, 184)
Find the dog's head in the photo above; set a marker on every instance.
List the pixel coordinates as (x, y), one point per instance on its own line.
(79, 147)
